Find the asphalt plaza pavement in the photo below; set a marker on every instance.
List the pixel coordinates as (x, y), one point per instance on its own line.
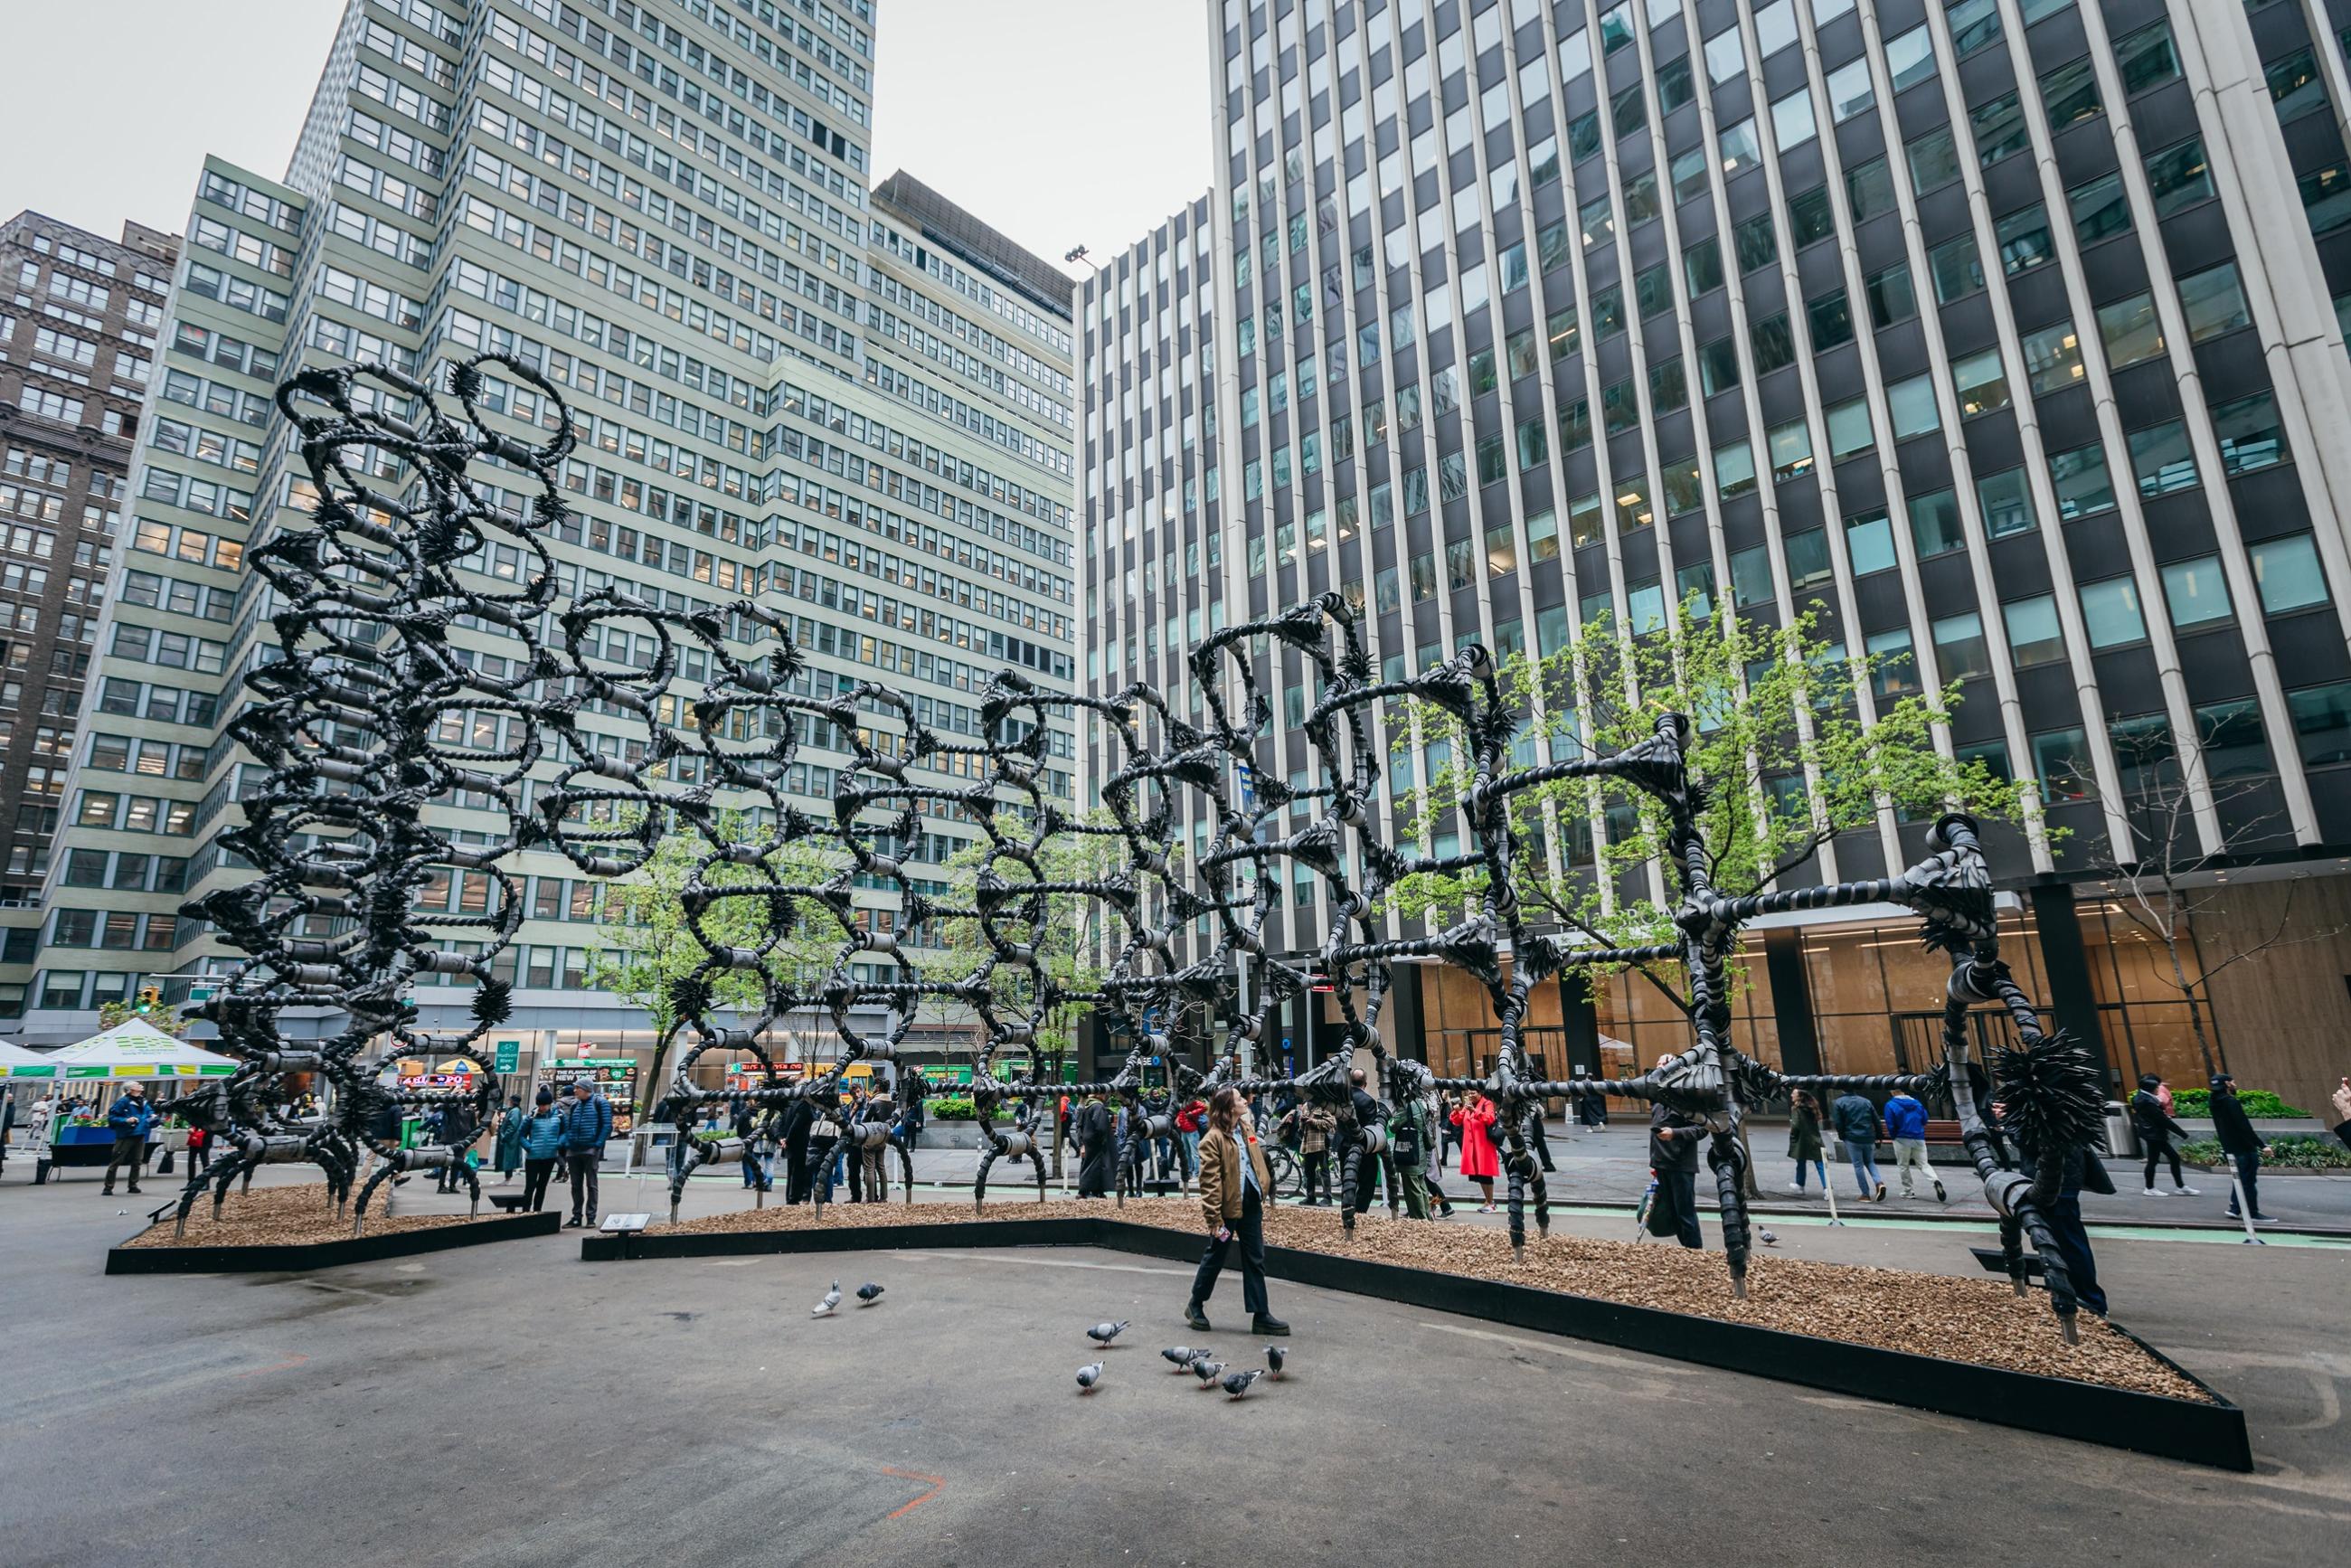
(512, 1405)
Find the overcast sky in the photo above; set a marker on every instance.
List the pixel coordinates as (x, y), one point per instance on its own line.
(1061, 122)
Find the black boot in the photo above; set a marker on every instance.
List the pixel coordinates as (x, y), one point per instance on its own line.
(1194, 1318)
(1266, 1323)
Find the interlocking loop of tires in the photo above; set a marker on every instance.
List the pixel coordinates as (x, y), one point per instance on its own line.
(349, 721)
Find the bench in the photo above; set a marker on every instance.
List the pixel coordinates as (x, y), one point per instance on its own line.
(1995, 1262)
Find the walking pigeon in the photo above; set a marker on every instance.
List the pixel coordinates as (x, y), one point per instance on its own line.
(831, 1300)
(1767, 1239)
(1207, 1371)
(1239, 1382)
(1180, 1356)
(1088, 1375)
(869, 1293)
(1275, 1355)
(1102, 1334)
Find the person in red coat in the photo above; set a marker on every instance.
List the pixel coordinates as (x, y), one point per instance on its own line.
(1479, 1161)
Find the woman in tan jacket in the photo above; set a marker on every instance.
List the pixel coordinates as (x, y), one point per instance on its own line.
(1234, 1182)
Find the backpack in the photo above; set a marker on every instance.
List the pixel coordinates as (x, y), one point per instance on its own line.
(1403, 1140)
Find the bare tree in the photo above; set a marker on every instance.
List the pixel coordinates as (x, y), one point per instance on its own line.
(2171, 879)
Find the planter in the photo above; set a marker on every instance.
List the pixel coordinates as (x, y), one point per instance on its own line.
(2209, 1434)
(302, 1256)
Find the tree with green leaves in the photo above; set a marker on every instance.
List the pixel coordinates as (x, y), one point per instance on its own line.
(1791, 762)
(1073, 941)
(646, 945)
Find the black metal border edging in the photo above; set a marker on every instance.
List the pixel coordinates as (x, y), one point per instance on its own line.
(296, 1257)
(2156, 1424)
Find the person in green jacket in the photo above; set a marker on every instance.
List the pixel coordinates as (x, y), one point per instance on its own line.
(1408, 1147)
(508, 1149)
(1805, 1138)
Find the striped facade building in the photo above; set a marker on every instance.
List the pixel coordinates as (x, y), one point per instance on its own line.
(2002, 336)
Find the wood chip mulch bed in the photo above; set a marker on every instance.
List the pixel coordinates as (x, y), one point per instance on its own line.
(282, 1216)
(1945, 1317)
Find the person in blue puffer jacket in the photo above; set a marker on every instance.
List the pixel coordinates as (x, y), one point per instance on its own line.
(542, 1145)
(1906, 1123)
(1855, 1120)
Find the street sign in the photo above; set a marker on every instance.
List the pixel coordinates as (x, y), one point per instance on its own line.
(510, 1056)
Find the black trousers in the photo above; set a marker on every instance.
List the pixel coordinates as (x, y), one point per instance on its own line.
(1538, 1142)
(1249, 1231)
(796, 1172)
(1317, 1178)
(1677, 1195)
(131, 1151)
(2160, 1149)
(583, 1179)
(535, 1174)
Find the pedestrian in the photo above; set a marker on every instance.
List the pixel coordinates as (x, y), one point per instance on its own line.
(1370, 1169)
(541, 1140)
(747, 1128)
(1536, 1138)
(1234, 1182)
(797, 1118)
(1091, 1131)
(507, 1151)
(40, 1123)
(2082, 1169)
(1805, 1138)
(917, 1111)
(1190, 1122)
(1449, 1133)
(457, 1127)
(1475, 1118)
(1855, 1120)
(2242, 1144)
(128, 1120)
(2150, 1113)
(587, 1124)
(1310, 1129)
(199, 1150)
(2342, 1098)
(1673, 1161)
(1408, 1147)
(1906, 1122)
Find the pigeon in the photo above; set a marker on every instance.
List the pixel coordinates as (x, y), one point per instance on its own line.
(1181, 1357)
(831, 1300)
(1207, 1371)
(1275, 1355)
(1239, 1382)
(869, 1293)
(1768, 1238)
(1102, 1334)
(1088, 1375)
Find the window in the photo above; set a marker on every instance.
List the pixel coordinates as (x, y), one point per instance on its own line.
(2147, 58)
(1755, 243)
(2070, 93)
(1790, 447)
(1808, 558)
(1694, 589)
(2023, 239)
(1869, 541)
(2162, 459)
(1702, 265)
(2326, 196)
(2101, 209)
(2052, 359)
(2132, 333)
(2287, 574)
(1725, 57)
(2034, 636)
(1912, 407)
(1869, 186)
(2295, 89)
(1980, 383)
(1653, 290)
(2007, 502)
(1892, 665)
(1955, 269)
(2251, 436)
(2061, 759)
(1734, 470)
(1974, 23)
(1640, 205)
(1849, 428)
(2083, 485)
(1669, 385)
(1934, 159)
(2195, 591)
(1773, 342)
(2000, 129)
(2230, 735)
(1960, 651)
(1689, 174)
(1891, 298)
(1909, 58)
(1830, 317)
(2110, 613)
(1750, 579)
(1791, 120)
(1850, 92)
(2179, 177)
(1718, 365)
(1935, 527)
(2214, 302)
(1675, 84)
(1542, 537)
(1564, 332)
(2322, 726)
(1738, 148)
(1685, 491)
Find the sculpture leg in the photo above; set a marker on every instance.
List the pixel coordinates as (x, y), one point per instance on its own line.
(383, 1173)
(1351, 1171)
(1515, 1166)
(473, 1189)
(187, 1201)
(1730, 1171)
(905, 1170)
(1542, 1201)
(1037, 1158)
(979, 1179)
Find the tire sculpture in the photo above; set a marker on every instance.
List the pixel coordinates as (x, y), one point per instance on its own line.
(361, 723)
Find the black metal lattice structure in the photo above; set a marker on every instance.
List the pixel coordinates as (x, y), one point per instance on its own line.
(352, 723)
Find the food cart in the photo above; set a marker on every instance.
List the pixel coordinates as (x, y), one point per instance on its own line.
(132, 1051)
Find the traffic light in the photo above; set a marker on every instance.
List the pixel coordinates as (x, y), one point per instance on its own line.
(150, 997)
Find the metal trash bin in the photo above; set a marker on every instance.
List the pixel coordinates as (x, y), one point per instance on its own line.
(2122, 1138)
